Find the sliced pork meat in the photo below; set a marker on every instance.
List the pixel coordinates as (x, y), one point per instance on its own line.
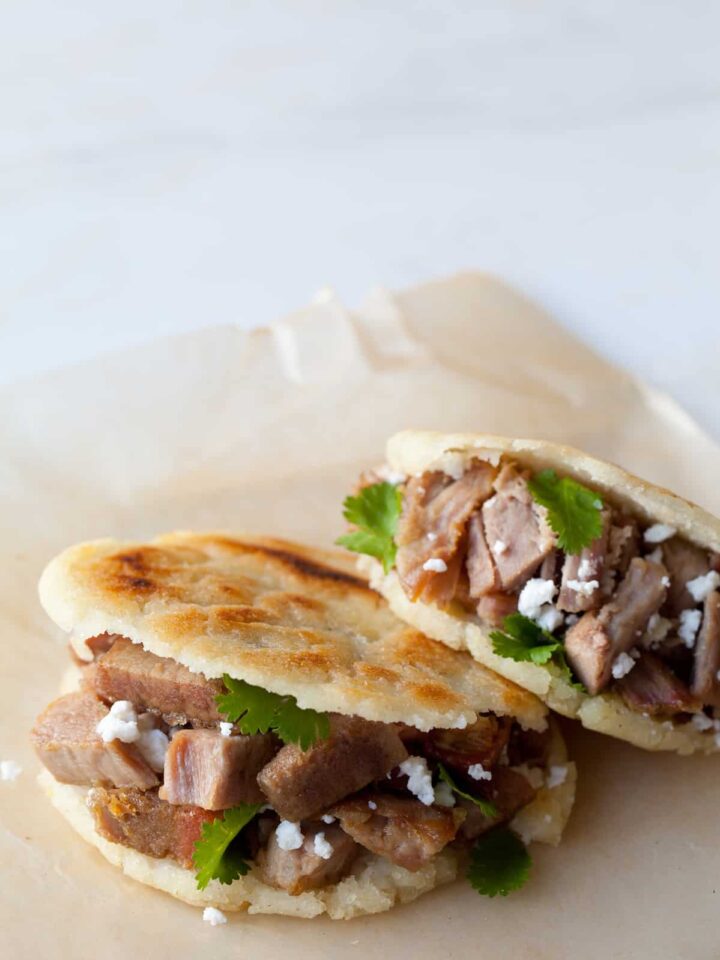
(301, 784)
(128, 672)
(509, 790)
(404, 830)
(494, 607)
(705, 684)
(325, 857)
(432, 530)
(482, 574)
(101, 643)
(593, 643)
(516, 530)
(483, 742)
(141, 820)
(623, 545)
(652, 688)
(205, 769)
(67, 743)
(582, 574)
(684, 562)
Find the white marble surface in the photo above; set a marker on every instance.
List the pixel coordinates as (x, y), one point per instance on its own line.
(171, 165)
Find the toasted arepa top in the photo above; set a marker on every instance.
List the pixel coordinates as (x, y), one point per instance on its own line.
(292, 619)
(415, 451)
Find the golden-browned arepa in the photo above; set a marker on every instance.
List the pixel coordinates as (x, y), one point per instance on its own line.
(594, 589)
(253, 728)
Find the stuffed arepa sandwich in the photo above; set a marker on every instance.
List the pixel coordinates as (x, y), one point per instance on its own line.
(253, 728)
(596, 590)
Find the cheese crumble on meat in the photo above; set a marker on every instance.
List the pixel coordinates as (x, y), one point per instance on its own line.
(478, 772)
(322, 847)
(9, 770)
(701, 587)
(622, 665)
(289, 835)
(419, 779)
(372, 805)
(435, 565)
(120, 723)
(534, 595)
(499, 548)
(328, 818)
(226, 728)
(658, 533)
(585, 588)
(556, 776)
(689, 626)
(213, 916)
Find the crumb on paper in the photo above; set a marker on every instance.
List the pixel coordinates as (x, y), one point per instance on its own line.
(9, 770)
(213, 916)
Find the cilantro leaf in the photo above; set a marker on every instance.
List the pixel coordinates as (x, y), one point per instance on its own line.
(499, 863)
(375, 510)
(574, 512)
(211, 857)
(522, 640)
(256, 710)
(303, 727)
(487, 807)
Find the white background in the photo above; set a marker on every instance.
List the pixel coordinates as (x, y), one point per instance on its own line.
(168, 165)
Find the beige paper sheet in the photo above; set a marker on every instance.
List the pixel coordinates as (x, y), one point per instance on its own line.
(265, 433)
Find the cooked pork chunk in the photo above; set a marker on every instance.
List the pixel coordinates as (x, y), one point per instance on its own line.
(143, 821)
(67, 743)
(482, 575)
(623, 545)
(403, 830)
(597, 638)
(301, 784)
(509, 790)
(494, 607)
(205, 769)
(684, 562)
(304, 869)
(582, 574)
(705, 684)
(516, 530)
(128, 672)
(651, 687)
(483, 742)
(433, 526)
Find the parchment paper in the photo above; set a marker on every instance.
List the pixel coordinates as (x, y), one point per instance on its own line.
(265, 433)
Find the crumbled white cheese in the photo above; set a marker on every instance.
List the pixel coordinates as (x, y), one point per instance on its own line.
(665, 581)
(658, 628)
(213, 916)
(571, 619)
(534, 595)
(120, 723)
(226, 728)
(460, 723)
(478, 772)
(656, 556)
(9, 770)
(419, 779)
(534, 775)
(372, 805)
(153, 745)
(585, 588)
(557, 775)
(322, 847)
(444, 797)
(689, 626)
(289, 835)
(658, 533)
(432, 537)
(702, 722)
(550, 618)
(622, 665)
(586, 569)
(394, 477)
(435, 565)
(328, 818)
(703, 586)
(499, 548)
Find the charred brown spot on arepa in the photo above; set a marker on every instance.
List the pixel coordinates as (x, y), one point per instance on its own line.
(279, 616)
